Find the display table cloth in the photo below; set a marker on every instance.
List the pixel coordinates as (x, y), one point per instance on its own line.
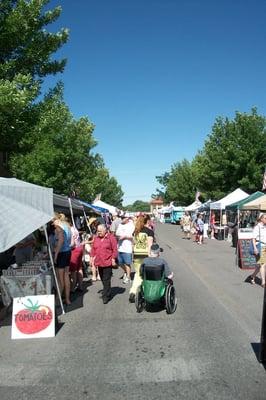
(25, 285)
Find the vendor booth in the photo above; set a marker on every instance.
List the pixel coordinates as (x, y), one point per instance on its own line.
(220, 205)
(194, 206)
(258, 204)
(24, 209)
(102, 204)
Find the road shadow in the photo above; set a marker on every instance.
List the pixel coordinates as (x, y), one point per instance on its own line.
(256, 279)
(155, 308)
(256, 347)
(116, 290)
(76, 299)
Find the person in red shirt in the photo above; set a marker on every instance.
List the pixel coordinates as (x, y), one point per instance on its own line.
(103, 255)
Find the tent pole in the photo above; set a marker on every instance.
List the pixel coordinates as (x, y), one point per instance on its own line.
(52, 263)
(85, 215)
(71, 212)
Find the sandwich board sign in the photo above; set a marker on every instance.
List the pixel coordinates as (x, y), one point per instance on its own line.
(33, 317)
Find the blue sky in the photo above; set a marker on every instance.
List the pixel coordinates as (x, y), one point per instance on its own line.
(153, 75)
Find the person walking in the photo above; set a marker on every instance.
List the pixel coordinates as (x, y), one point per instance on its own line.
(259, 235)
(75, 267)
(186, 224)
(143, 240)
(62, 253)
(124, 234)
(103, 255)
(200, 228)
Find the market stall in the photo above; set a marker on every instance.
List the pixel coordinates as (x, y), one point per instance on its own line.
(24, 209)
(102, 204)
(220, 205)
(259, 204)
(194, 206)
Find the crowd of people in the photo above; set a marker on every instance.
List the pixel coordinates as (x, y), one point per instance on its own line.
(126, 243)
(194, 227)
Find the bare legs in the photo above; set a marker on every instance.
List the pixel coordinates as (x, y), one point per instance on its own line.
(64, 282)
(261, 269)
(95, 273)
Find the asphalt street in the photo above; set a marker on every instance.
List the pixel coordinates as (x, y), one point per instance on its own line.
(205, 350)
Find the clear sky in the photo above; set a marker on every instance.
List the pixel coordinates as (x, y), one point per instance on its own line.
(153, 75)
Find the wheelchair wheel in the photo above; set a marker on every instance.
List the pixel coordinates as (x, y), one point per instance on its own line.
(170, 299)
(139, 300)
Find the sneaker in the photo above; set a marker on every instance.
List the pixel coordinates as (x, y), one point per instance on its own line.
(126, 280)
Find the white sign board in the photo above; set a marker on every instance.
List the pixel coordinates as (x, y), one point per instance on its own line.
(33, 317)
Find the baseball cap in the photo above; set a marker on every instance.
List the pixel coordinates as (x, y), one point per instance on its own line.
(155, 248)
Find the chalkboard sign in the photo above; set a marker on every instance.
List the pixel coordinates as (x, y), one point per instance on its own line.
(245, 260)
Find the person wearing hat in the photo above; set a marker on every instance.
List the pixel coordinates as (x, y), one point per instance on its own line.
(155, 260)
(115, 223)
(124, 234)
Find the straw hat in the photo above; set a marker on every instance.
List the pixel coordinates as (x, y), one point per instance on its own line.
(91, 220)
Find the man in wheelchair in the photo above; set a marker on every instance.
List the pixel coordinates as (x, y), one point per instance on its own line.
(157, 285)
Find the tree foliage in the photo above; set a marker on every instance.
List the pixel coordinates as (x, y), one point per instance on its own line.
(46, 144)
(138, 205)
(58, 153)
(234, 155)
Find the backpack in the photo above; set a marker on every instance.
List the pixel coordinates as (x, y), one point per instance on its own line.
(141, 244)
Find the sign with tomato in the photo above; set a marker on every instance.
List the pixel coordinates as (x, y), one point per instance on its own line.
(33, 317)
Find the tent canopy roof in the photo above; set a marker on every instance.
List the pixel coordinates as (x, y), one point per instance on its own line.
(205, 206)
(258, 204)
(194, 206)
(236, 195)
(102, 204)
(24, 208)
(239, 204)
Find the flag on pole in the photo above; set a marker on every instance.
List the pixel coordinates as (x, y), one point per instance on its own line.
(264, 181)
(197, 195)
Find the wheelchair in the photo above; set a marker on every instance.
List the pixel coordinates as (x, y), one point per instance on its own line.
(155, 289)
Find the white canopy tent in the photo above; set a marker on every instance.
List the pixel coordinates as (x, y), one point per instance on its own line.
(102, 204)
(24, 208)
(194, 206)
(236, 195)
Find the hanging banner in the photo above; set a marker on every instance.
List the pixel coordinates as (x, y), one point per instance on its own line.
(33, 317)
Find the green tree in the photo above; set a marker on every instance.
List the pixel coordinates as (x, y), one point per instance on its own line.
(26, 57)
(138, 205)
(58, 153)
(234, 155)
(179, 183)
(162, 192)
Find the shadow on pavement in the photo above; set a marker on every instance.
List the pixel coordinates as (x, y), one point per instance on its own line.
(116, 290)
(256, 348)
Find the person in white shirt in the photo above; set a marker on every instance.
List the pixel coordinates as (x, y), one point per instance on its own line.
(259, 235)
(124, 234)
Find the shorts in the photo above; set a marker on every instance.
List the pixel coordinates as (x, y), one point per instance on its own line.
(124, 258)
(76, 259)
(63, 259)
(262, 258)
(186, 228)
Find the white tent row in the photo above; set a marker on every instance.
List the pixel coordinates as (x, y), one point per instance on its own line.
(102, 204)
(236, 195)
(194, 206)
